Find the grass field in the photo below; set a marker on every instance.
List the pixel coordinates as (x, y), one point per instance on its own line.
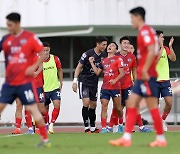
(78, 143)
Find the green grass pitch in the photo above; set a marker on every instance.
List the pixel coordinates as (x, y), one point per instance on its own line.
(78, 143)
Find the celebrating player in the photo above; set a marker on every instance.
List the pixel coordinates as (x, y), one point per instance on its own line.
(88, 83)
(145, 85)
(131, 48)
(20, 47)
(130, 66)
(163, 82)
(112, 66)
(53, 80)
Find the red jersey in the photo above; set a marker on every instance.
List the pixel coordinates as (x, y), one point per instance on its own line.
(129, 61)
(111, 67)
(146, 37)
(19, 53)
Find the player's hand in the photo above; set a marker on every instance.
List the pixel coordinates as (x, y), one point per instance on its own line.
(171, 42)
(74, 87)
(30, 70)
(91, 59)
(35, 74)
(112, 81)
(145, 75)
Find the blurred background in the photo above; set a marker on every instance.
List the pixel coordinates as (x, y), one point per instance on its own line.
(70, 26)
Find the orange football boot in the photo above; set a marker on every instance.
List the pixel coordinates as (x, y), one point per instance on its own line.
(120, 142)
(17, 131)
(158, 143)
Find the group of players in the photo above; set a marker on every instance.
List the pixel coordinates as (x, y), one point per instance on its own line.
(126, 83)
(32, 74)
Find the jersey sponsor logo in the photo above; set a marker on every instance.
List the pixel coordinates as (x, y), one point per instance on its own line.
(47, 68)
(83, 56)
(15, 49)
(17, 59)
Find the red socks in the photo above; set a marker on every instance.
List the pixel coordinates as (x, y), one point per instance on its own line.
(139, 120)
(18, 123)
(55, 114)
(43, 132)
(130, 119)
(46, 117)
(114, 118)
(164, 116)
(28, 118)
(157, 121)
(103, 122)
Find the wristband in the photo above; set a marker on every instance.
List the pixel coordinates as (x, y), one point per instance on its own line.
(75, 80)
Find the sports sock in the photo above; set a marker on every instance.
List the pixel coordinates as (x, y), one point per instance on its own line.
(46, 117)
(157, 121)
(43, 133)
(130, 119)
(127, 136)
(114, 118)
(160, 137)
(92, 117)
(85, 115)
(103, 122)
(164, 116)
(28, 118)
(18, 123)
(139, 121)
(55, 114)
(121, 121)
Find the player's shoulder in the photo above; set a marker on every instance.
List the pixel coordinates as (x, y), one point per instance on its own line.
(5, 37)
(131, 55)
(146, 30)
(89, 52)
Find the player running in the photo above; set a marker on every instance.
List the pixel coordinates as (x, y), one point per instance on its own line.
(88, 83)
(130, 67)
(53, 81)
(20, 47)
(145, 85)
(163, 81)
(112, 66)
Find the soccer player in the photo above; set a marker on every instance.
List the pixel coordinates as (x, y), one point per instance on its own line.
(88, 83)
(163, 82)
(112, 66)
(20, 47)
(130, 66)
(131, 48)
(53, 81)
(145, 85)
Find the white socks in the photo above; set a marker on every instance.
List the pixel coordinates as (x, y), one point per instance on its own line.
(127, 136)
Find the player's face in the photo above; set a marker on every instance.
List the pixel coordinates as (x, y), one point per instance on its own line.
(111, 48)
(131, 48)
(161, 38)
(102, 46)
(12, 26)
(47, 52)
(125, 45)
(134, 21)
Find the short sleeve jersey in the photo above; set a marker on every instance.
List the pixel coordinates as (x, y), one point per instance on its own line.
(20, 52)
(146, 37)
(87, 76)
(110, 67)
(129, 61)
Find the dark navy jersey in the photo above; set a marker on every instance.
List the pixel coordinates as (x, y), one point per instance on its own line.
(87, 76)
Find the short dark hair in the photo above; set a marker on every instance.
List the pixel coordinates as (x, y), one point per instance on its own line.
(100, 39)
(114, 44)
(124, 38)
(15, 17)
(158, 32)
(138, 11)
(46, 44)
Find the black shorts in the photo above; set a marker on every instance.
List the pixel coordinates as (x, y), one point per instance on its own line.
(41, 96)
(86, 91)
(164, 89)
(51, 96)
(27, 94)
(145, 88)
(125, 94)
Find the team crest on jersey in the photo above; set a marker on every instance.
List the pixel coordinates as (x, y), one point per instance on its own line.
(23, 41)
(9, 43)
(129, 59)
(112, 60)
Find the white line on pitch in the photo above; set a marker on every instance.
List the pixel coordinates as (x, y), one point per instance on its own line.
(6, 136)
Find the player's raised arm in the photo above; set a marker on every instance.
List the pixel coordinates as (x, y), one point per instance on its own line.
(96, 70)
(172, 55)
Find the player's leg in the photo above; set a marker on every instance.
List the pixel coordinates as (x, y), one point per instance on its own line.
(92, 109)
(27, 94)
(113, 123)
(56, 99)
(166, 92)
(152, 103)
(84, 95)
(18, 117)
(119, 110)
